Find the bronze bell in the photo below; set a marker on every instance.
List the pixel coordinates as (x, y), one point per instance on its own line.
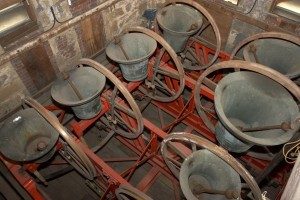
(255, 109)
(27, 136)
(132, 52)
(80, 89)
(179, 22)
(278, 54)
(203, 175)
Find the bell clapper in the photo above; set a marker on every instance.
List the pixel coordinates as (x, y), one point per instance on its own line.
(253, 50)
(118, 42)
(67, 77)
(229, 194)
(39, 176)
(285, 126)
(112, 100)
(193, 27)
(41, 146)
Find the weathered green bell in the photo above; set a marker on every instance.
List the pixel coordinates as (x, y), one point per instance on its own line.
(131, 52)
(254, 109)
(203, 175)
(27, 136)
(229, 141)
(179, 22)
(81, 91)
(277, 54)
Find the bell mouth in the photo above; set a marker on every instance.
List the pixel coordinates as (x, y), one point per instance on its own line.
(138, 47)
(257, 101)
(228, 141)
(278, 54)
(88, 81)
(27, 136)
(180, 19)
(204, 170)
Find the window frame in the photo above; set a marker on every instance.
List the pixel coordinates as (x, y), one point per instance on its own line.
(6, 3)
(230, 3)
(284, 13)
(21, 30)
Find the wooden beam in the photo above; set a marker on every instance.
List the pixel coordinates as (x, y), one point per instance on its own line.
(6, 57)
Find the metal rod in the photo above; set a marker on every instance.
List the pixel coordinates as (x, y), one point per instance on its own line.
(284, 126)
(253, 51)
(129, 159)
(119, 43)
(161, 118)
(175, 162)
(192, 27)
(156, 64)
(140, 158)
(170, 126)
(67, 78)
(136, 165)
(229, 194)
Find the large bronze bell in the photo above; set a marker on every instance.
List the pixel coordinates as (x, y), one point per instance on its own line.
(132, 52)
(203, 175)
(278, 54)
(229, 141)
(255, 109)
(27, 136)
(179, 22)
(80, 89)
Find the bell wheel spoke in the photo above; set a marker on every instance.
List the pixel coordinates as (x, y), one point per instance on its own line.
(159, 56)
(123, 122)
(73, 160)
(177, 151)
(125, 109)
(164, 86)
(194, 147)
(174, 162)
(163, 71)
(160, 89)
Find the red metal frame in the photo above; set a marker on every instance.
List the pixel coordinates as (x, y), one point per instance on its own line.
(24, 179)
(147, 152)
(177, 109)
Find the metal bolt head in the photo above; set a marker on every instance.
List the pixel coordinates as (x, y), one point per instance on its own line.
(41, 146)
(231, 194)
(285, 126)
